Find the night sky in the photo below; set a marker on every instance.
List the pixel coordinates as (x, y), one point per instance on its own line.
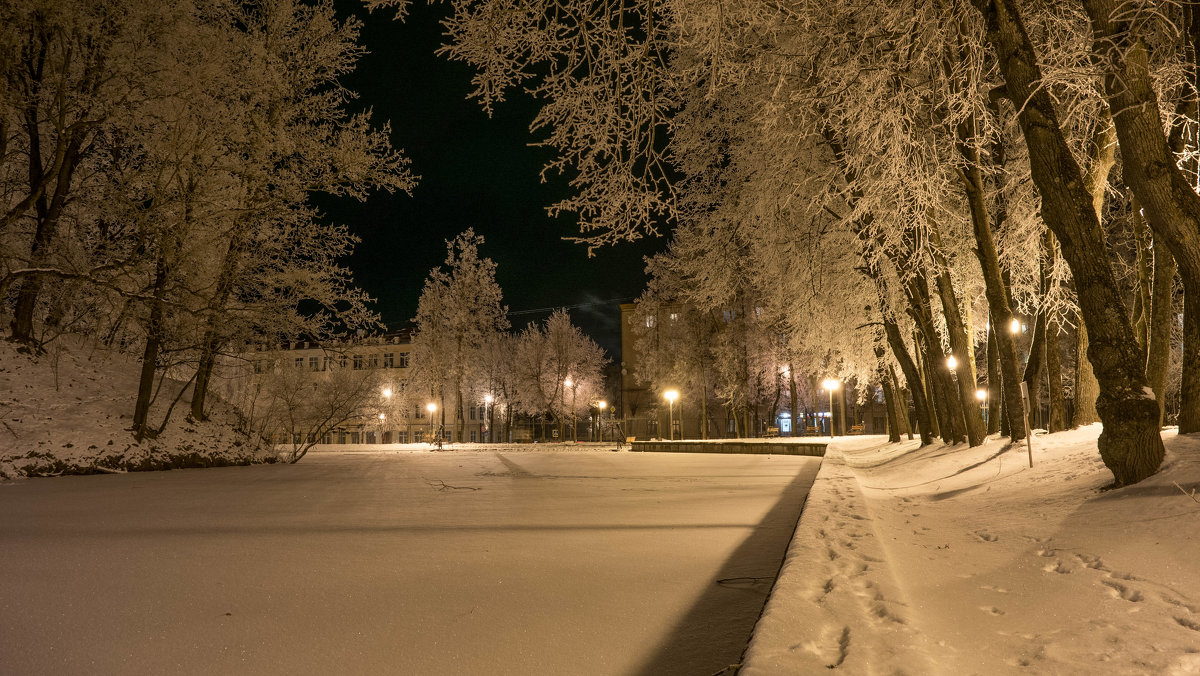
(476, 172)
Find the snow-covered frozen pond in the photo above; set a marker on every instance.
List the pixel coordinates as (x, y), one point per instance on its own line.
(405, 563)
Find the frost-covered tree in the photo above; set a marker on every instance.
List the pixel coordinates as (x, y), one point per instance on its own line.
(299, 407)
(199, 131)
(458, 315)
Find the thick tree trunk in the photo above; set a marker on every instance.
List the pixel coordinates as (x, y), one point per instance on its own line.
(1130, 444)
(1171, 205)
(960, 344)
(1103, 154)
(913, 375)
(1158, 356)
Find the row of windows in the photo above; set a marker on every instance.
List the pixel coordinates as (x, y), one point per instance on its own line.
(358, 362)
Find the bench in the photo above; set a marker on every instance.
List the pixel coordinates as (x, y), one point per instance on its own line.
(858, 429)
(630, 440)
(771, 432)
(810, 430)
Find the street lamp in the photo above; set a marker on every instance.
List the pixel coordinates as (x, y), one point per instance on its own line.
(487, 415)
(982, 395)
(952, 362)
(671, 396)
(830, 385)
(1014, 327)
(601, 405)
(431, 407)
(387, 393)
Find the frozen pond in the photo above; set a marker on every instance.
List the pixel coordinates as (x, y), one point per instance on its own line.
(405, 563)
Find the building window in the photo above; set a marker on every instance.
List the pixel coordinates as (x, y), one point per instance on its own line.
(403, 360)
(474, 436)
(389, 360)
(402, 437)
(674, 316)
(326, 363)
(342, 361)
(729, 315)
(299, 362)
(472, 409)
(373, 361)
(358, 362)
(314, 363)
(649, 321)
(258, 366)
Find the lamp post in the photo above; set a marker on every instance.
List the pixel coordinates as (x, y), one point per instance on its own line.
(830, 385)
(600, 423)
(431, 407)
(982, 395)
(487, 415)
(671, 396)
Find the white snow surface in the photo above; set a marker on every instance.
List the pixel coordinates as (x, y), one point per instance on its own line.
(69, 410)
(949, 560)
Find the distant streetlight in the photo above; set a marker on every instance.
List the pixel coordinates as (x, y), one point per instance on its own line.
(671, 396)
(487, 415)
(1014, 326)
(830, 385)
(387, 393)
(951, 362)
(601, 405)
(383, 416)
(431, 407)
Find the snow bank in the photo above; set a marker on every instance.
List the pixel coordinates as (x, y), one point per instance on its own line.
(69, 411)
(966, 561)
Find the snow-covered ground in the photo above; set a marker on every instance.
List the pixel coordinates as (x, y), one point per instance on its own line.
(69, 411)
(398, 562)
(966, 561)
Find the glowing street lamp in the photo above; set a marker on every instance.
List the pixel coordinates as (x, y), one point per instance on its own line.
(830, 385)
(387, 393)
(431, 407)
(1014, 327)
(952, 362)
(671, 396)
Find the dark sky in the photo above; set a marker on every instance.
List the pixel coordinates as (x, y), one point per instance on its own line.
(475, 172)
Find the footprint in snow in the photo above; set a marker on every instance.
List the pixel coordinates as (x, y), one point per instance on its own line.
(992, 610)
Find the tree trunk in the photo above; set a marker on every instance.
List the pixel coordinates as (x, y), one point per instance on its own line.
(154, 328)
(913, 375)
(1034, 368)
(1130, 444)
(1171, 205)
(889, 394)
(995, 380)
(960, 343)
(941, 386)
(1103, 155)
(1057, 422)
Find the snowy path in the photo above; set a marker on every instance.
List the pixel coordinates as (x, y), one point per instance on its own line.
(407, 563)
(966, 561)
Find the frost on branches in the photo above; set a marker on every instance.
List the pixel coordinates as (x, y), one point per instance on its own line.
(156, 162)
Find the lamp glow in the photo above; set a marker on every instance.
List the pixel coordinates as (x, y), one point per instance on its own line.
(951, 362)
(1014, 326)
(981, 394)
